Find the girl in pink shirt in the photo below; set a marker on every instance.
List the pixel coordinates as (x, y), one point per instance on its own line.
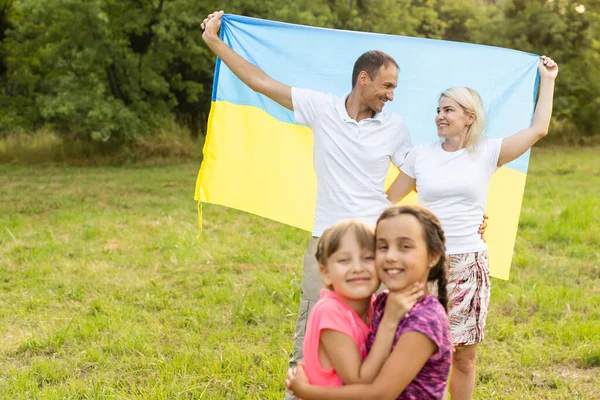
(339, 324)
(409, 249)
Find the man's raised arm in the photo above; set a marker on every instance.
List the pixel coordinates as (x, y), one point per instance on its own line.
(251, 75)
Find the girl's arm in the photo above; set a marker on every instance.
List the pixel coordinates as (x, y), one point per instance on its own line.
(517, 144)
(408, 357)
(402, 185)
(345, 357)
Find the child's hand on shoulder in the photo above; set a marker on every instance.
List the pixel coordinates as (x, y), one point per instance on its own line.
(296, 378)
(399, 303)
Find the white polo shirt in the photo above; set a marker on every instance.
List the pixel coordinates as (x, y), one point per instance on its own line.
(351, 159)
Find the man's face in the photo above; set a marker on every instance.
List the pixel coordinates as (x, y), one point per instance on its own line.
(379, 90)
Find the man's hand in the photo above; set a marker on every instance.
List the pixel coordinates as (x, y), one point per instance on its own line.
(483, 226)
(250, 74)
(211, 25)
(296, 377)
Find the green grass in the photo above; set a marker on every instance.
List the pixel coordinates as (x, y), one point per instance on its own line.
(105, 292)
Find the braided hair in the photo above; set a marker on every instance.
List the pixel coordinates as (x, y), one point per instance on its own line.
(436, 244)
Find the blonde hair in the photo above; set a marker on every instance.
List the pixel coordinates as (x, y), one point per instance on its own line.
(331, 239)
(471, 103)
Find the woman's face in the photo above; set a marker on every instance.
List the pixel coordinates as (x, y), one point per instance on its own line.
(451, 119)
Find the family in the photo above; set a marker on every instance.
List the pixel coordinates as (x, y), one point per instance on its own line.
(351, 341)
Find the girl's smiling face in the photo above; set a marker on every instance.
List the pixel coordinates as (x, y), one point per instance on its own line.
(401, 255)
(350, 270)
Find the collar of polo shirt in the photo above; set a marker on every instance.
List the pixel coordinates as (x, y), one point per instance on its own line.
(341, 109)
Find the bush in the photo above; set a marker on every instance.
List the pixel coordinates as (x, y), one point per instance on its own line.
(45, 146)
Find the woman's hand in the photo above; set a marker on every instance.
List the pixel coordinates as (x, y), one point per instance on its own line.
(548, 68)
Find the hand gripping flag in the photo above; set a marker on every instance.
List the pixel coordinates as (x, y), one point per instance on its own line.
(256, 159)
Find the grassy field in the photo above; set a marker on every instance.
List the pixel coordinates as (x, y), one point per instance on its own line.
(105, 292)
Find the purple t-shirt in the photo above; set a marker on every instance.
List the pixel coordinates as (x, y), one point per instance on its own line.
(429, 318)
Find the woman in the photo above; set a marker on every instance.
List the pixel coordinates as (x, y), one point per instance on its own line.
(452, 179)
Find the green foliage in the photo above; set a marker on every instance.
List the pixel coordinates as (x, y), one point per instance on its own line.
(107, 69)
(5, 24)
(118, 70)
(170, 144)
(563, 30)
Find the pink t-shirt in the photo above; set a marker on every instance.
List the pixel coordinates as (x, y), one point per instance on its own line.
(331, 312)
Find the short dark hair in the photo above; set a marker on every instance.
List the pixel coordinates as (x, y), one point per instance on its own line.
(371, 62)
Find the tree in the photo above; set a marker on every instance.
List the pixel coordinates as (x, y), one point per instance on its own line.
(563, 30)
(114, 70)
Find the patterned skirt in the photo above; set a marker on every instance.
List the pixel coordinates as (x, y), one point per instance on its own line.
(469, 296)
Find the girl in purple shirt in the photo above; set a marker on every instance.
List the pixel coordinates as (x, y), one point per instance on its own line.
(409, 248)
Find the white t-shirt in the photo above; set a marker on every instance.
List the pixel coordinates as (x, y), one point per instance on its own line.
(351, 159)
(454, 185)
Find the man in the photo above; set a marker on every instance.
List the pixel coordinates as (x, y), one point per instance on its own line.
(354, 142)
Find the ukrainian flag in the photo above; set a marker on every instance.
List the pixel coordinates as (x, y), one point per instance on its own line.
(257, 160)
